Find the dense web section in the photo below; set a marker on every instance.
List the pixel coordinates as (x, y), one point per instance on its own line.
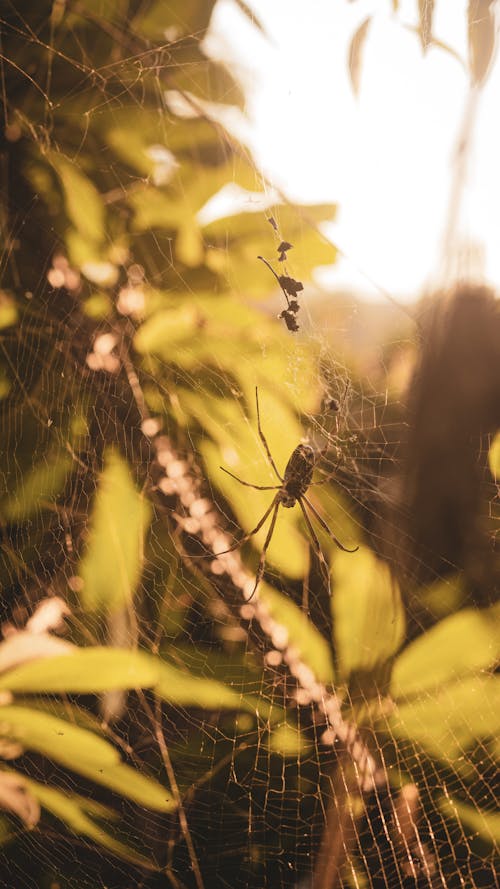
(313, 732)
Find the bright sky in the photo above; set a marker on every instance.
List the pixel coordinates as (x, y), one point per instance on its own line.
(385, 157)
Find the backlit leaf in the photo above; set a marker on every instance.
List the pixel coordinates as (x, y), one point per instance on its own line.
(85, 671)
(185, 689)
(74, 811)
(83, 202)
(130, 783)
(466, 642)
(112, 563)
(451, 719)
(474, 820)
(56, 738)
(312, 648)
(367, 613)
(38, 487)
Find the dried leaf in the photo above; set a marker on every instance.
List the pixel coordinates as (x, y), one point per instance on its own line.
(290, 285)
(16, 797)
(49, 615)
(425, 13)
(250, 14)
(482, 43)
(355, 53)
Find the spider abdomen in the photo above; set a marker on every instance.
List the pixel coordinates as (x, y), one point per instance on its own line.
(298, 474)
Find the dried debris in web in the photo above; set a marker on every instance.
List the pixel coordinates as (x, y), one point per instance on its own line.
(289, 286)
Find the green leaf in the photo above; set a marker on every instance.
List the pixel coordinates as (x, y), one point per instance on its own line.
(74, 812)
(253, 224)
(466, 642)
(42, 483)
(112, 563)
(312, 648)
(83, 752)
(368, 617)
(240, 450)
(130, 783)
(9, 314)
(87, 671)
(160, 333)
(83, 202)
(58, 739)
(447, 722)
(473, 820)
(187, 690)
(288, 740)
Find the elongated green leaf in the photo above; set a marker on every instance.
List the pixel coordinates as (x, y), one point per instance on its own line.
(447, 722)
(38, 487)
(74, 812)
(85, 671)
(299, 632)
(56, 738)
(83, 202)
(187, 690)
(112, 563)
(253, 225)
(130, 783)
(368, 617)
(466, 642)
(473, 819)
(160, 333)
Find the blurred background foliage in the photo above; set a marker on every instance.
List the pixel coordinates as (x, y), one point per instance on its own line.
(143, 696)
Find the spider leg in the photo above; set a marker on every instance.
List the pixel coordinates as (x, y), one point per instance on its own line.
(326, 528)
(316, 543)
(263, 437)
(249, 484)
(262, 560)
(212, 555)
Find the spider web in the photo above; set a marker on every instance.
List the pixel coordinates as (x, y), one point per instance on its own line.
(363, 750)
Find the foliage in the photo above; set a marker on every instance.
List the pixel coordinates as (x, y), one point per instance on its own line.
(121, 306)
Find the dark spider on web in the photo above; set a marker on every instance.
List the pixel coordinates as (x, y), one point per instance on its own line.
(292, 489)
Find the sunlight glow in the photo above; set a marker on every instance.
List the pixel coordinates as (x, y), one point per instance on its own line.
(387, 156)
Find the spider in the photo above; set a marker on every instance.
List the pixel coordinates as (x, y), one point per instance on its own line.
(292, 489)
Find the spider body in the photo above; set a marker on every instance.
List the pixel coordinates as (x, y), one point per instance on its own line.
(298, 475)
(292, 489)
